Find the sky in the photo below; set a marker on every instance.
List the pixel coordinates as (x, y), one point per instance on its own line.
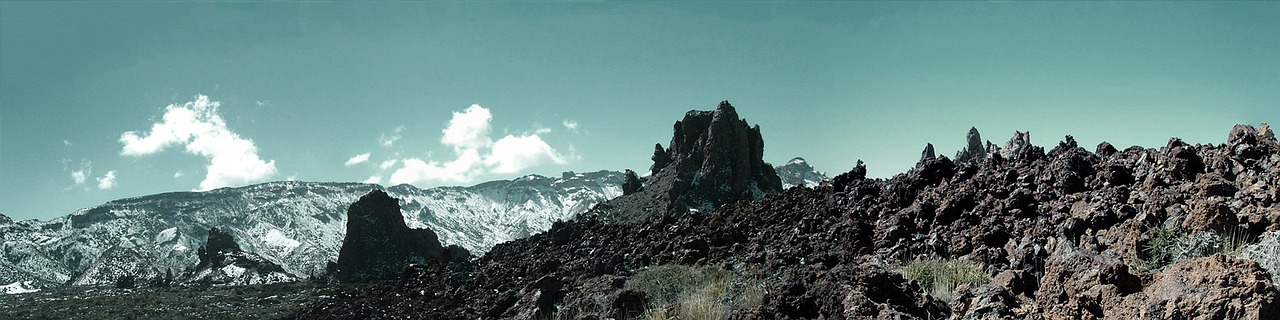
(109, 100)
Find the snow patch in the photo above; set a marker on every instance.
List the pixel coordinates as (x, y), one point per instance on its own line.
(19, 287)
(232, 271)
(275, 238)
(166, 235)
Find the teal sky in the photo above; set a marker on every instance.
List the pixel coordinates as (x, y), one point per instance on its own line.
(92, 93)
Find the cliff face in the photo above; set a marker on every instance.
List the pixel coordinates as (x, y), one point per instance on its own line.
(378, 244)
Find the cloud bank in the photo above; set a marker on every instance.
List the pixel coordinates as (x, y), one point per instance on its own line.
(197, 126)
(468, 134)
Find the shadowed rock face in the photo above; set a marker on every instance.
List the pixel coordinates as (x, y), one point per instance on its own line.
(928, 153)
(630, 183)
(378, 244)
(718, 158)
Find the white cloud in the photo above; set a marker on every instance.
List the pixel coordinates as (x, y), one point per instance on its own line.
(468, 129)
(66, 142)
(374, 179)
(463, 169)
(79, 176)
(539, 129)
(233, 160)
(387, 164)
(514, 153)
(358, 159)
(390, 139)
(107, 181)
(571, 125)
(467, 133)
(178, 174)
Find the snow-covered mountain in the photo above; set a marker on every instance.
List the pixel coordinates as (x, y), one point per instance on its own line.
(798, 172)
(298, 225)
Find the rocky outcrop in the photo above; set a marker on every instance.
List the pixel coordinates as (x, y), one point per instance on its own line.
(379, 245)
(660, 159)
(1015, 145)
(715, 158)
(223, 262)
(928, 153)
(630, 183)
(217, 247)
(974, 149)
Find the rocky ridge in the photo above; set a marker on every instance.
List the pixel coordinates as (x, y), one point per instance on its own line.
(1062, 232)
(297, 225)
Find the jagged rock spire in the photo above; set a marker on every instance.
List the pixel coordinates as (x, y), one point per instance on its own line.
(974, 150)
(927, 154)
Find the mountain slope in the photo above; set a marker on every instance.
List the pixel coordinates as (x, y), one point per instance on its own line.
(298, 225)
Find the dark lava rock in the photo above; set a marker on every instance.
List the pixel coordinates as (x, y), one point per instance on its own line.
(1214, 287)
(928, 153)
(630, 183)
(1063, 232)
(378, 244)
(660, 159)
(218, 245)
(716, 158)
(1105, 149)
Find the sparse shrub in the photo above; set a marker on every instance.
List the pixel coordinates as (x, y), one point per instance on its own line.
(1266, 253)
(941, 277)
(1171, 245)
(688, 292)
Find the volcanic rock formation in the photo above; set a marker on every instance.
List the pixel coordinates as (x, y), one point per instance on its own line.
(630, 183)
(714, 158)
(378, 244)
(223, 262)
(974, 149)
(928, 153)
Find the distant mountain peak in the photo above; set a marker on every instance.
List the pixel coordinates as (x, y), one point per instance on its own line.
(798, 172)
